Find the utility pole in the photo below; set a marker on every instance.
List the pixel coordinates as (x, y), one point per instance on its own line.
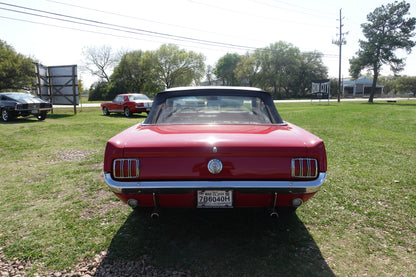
(341, 41)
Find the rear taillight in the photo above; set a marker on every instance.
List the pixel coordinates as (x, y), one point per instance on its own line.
(126, 168)
(304, 168)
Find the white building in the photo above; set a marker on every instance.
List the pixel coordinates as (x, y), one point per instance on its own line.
(359, 88)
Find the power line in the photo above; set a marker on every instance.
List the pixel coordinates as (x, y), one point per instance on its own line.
(121, 28)
(146, 20)
(200, 46)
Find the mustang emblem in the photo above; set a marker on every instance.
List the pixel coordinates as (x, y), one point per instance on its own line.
(214, 166)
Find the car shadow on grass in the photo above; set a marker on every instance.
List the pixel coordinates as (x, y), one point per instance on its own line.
(33, 119)
(234, 242)
(23, 120)
(121, 115)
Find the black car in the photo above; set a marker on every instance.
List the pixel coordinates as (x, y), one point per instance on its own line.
(14, 104)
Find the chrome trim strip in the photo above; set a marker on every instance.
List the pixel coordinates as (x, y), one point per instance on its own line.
(281, 186)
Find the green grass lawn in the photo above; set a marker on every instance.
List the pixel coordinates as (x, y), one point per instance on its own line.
(56, 210)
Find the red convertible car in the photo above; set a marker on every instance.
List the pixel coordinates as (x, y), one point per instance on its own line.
(215, 147)
(128, 104)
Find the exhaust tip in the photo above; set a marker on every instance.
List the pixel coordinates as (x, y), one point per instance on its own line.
(274, 214)
(155, 215)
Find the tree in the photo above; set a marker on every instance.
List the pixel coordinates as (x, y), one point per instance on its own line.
(100, 61)
(98, 91)
(225, 69)
(16, 70)
(174, 67)
(279, 65)
(311, 68)
(248, 70)
(209, 74)
(131, 72)
(388, 30)
(405, 84)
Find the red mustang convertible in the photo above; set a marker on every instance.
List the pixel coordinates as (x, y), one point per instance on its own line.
(127, 104)
(215, 147)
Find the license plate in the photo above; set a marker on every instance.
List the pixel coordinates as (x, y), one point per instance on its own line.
(215, 198)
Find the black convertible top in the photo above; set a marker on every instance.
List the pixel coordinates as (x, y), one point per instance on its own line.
(213, 91)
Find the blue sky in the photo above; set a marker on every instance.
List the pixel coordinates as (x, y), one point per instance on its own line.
(213, 27)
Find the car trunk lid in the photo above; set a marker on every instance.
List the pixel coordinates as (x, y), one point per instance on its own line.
(182, 152)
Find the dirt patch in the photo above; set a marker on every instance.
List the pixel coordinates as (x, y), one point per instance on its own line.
(71, 155)
(75, 155)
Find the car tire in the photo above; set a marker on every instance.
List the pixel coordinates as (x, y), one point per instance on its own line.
(127, 112)
(105, 111)
(5, 115)
(41, 116)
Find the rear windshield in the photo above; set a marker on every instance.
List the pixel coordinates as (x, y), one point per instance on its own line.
(213, 109)
(138, 97)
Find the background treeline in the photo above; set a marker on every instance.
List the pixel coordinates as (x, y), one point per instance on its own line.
(281, 68)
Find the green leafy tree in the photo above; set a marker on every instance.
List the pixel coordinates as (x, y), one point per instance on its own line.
(311, 68)
(16, 70)
(225, 69)
(279, 65)
(98, 91)
(388, 29)
(248, 70)
(388, 83)
(405, 84)
(281, 69)
(131, 72)
(174, 67)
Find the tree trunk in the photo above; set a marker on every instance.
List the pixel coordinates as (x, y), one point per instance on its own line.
(374, 85)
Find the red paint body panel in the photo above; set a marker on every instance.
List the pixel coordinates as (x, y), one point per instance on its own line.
(181, 152)
(258, 161)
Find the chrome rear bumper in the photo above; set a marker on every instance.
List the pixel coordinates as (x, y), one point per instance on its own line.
(288, 187)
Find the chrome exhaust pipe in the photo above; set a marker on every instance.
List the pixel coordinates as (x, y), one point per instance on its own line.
(274, 214)
(155, 215)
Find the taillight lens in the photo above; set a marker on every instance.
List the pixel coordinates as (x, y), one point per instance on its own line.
(126, 168)
(304, 168)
